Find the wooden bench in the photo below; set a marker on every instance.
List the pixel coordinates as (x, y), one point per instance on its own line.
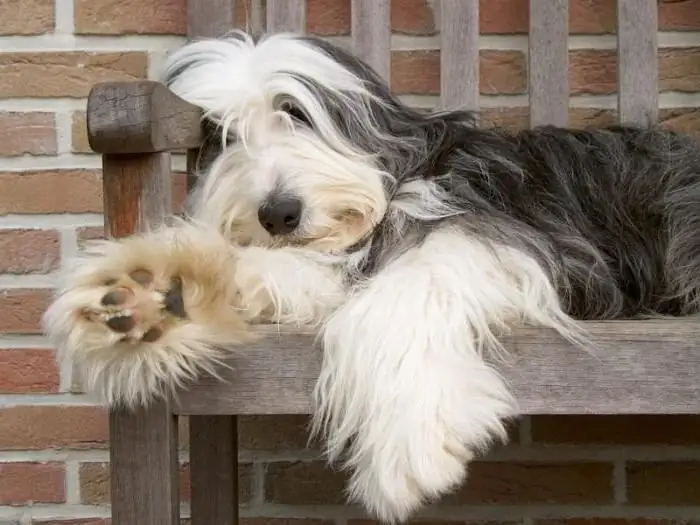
(643, 368)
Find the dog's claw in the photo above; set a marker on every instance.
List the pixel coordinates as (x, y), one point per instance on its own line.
(174, 302)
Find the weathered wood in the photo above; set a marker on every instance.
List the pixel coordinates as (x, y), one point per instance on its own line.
(459, 55)
(549, 62)
(638, 367)
(140, 117)
(143, 443)
(286, 16)
(137, 191)
(214, 470)
(371, 34)
(638, 73)
(209, 18)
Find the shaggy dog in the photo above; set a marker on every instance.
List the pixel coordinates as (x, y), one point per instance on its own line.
(412, 242)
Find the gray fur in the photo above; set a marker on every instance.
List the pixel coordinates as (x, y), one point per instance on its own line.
(612, 214)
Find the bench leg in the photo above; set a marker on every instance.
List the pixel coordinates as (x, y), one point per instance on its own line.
(144, 466)
(214, 470)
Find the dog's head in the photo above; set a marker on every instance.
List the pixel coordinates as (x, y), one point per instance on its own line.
(312, 141)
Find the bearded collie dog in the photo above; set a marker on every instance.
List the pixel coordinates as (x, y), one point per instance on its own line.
(410, 241)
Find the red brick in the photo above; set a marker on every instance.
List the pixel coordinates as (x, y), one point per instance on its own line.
(592, 72)
(22, 310)
(304, 483)
(613, 430)
(90, 233)
(418, 72)
(663, 483)
(609, 521)
(117, 17)
(66, 74)
(416, 521)
(27, 134)
(332, 17)
(52, 427)
(412, 17)
(679, 69)
(29, 251)
(535, 483)
(585, 16)
(503, 16)
(681, 15)
(26, 483)
(284, 521)
(29, 370)
(58, 191)
(83, 521)
(26, 17)
(592, 16)
(682, 120)
(273, 432)
(328, 17)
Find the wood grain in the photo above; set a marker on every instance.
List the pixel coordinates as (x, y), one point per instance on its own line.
(286, 16)
(140, 117)
(637, 367)
(214, 470)
(638, 69)
(209, 18)
(371, 34)
(459, 55)
(143, 443)
(549, 62)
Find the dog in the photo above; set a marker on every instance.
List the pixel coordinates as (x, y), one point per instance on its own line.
(410, 241)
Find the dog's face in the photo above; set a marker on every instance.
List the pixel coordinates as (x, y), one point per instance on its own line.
(307, 135)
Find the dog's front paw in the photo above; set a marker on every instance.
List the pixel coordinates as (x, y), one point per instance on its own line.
(403, 477)
(406, 469)
(133, 308)
(140, 317)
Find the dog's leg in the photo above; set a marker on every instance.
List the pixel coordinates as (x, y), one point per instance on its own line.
(139, 316)
(403, 388)
(288, 285)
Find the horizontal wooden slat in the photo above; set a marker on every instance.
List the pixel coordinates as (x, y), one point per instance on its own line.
(371, 34)
(638, 367)
(549, 62)
(637, 48)
(459, 55)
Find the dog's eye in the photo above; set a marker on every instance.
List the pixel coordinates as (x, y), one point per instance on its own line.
(296, 113)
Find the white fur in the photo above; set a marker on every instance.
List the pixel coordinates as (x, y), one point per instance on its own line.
(404, 385)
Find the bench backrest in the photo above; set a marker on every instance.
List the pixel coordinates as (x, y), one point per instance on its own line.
(548, 53)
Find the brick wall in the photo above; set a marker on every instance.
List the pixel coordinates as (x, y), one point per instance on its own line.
(578, 471)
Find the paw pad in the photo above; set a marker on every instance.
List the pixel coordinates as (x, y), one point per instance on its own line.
(137, 308)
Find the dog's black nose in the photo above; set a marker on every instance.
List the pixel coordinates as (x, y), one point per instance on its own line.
(280, 216)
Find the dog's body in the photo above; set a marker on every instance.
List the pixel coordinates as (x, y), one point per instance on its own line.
(411, 241)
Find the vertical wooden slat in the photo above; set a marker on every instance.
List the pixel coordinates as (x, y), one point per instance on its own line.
(637, 48)
(549, 62)
(286, 16)
(143, 443)
(206, 19)
(459, 55)
(371, 34)
(214, 470)
(209, 18)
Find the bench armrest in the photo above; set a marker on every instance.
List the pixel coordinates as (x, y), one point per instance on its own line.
(140, 117)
